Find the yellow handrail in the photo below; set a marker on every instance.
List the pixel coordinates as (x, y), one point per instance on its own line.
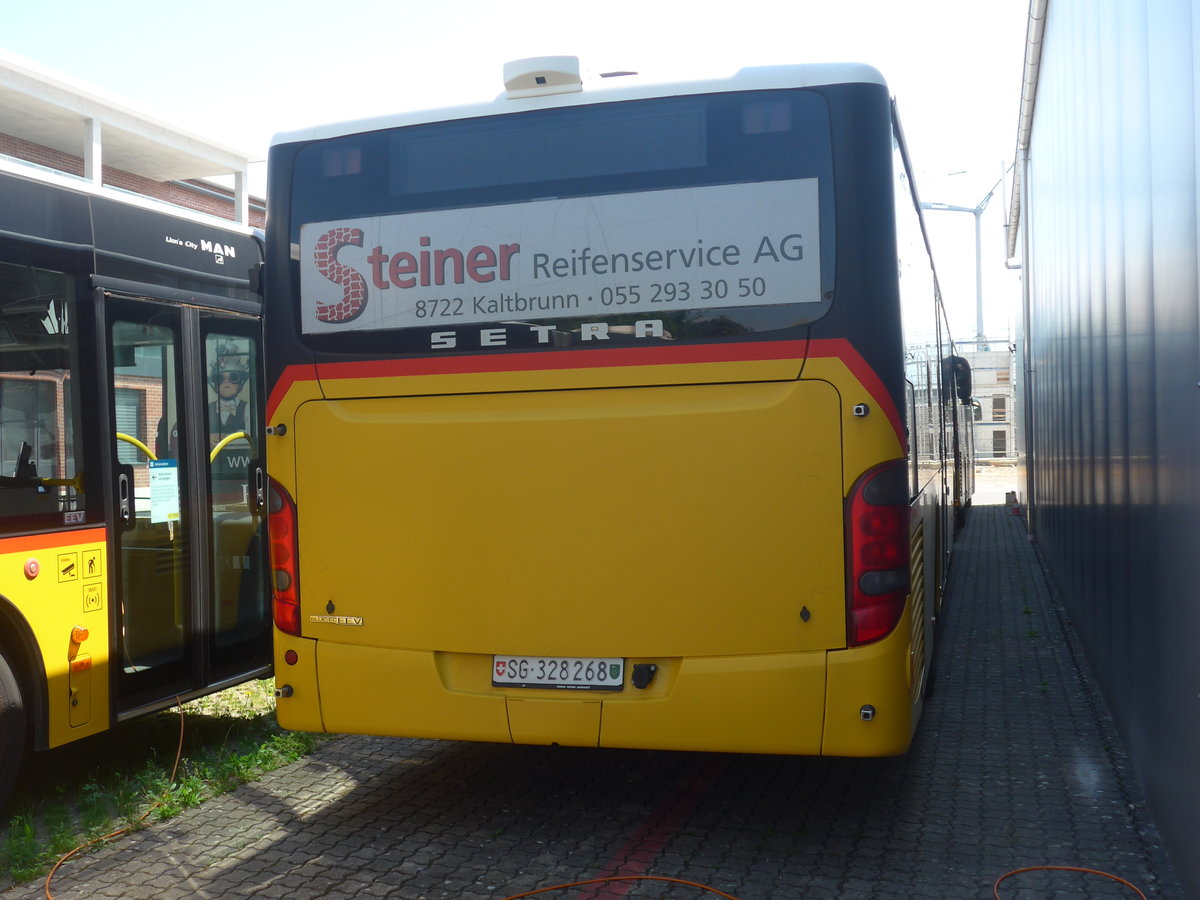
(212, 457)
(130, 439)
(76, 482)
(146, 450)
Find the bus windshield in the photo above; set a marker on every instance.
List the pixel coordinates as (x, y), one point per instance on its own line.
(678, 218)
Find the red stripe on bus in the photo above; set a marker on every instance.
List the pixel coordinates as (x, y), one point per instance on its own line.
(291, 375)
(51, 541)
(544, 361)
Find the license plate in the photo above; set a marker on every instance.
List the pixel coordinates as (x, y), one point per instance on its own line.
(570, 673)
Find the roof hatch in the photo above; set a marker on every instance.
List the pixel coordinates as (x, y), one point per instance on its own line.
(542, 75)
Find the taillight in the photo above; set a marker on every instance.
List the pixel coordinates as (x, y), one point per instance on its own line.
(877, 564)
(285, 584)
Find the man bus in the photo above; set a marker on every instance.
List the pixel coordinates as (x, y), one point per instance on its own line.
(132, 548)
(609, 415)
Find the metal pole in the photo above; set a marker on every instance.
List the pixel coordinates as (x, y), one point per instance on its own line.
(979, 333)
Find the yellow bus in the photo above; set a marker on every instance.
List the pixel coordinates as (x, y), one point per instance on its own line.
(132, 499)
(610, 415)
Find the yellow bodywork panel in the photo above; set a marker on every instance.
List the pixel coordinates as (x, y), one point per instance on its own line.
(875, 676)
(669, 521)
(699, 527)
(868, 439)
(573, 722)
(58, 583)
(772, 703)
(374, 690)
(686, 516)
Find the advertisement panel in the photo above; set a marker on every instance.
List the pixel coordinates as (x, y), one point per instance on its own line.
(645, 253)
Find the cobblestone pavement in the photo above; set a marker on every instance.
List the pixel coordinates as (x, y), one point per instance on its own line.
(1015, 764)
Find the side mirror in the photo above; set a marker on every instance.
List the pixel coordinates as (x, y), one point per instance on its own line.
(956, 371)
(962, 379)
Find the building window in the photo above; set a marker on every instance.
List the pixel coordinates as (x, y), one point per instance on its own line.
(1003, 376)
(999, 409)
(130, 403)
(999, 443)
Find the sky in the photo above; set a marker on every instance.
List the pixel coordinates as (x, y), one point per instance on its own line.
(240, 72)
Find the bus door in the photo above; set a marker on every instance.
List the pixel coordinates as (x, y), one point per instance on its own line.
(189, 587)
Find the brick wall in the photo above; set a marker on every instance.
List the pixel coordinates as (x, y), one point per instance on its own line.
(169, 192)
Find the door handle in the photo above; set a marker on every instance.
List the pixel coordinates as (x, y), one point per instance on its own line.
(260, 489)
(124, 498)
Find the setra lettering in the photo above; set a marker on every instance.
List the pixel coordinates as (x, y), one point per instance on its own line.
(543, 334)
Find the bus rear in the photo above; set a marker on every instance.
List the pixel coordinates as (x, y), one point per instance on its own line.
(587, 421)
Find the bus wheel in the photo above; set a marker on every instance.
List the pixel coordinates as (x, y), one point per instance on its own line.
(12, 729)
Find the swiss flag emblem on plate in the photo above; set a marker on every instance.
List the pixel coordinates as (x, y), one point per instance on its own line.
(499, 668)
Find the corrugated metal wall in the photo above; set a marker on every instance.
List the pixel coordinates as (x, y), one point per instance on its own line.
(1109, 226)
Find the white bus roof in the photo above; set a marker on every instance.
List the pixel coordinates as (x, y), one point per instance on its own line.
(604, 90)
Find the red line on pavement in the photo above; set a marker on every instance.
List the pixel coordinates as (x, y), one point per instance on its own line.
(640, 851)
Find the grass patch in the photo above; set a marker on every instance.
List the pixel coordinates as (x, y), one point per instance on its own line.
(74, 794)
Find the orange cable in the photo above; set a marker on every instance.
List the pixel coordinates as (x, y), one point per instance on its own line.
(140, 819)
(996, 886)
